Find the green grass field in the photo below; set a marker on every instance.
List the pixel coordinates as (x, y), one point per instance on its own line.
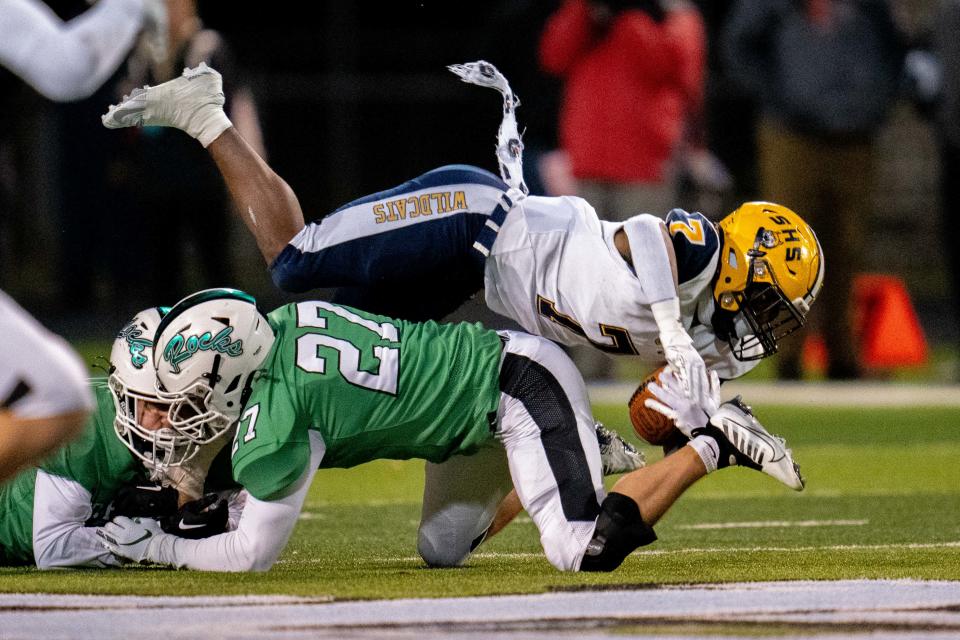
(888, 481)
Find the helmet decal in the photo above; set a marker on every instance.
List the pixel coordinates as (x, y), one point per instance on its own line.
(207, 350)
(771, 272)
(135, 344)
(179, 349)
(132, 384)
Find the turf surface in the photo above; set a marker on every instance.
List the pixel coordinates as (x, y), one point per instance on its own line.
(882, 501)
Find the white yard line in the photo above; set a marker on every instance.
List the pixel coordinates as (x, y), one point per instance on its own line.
(695, 550)
(773, 524)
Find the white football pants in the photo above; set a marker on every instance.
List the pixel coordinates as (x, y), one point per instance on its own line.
(547, 450)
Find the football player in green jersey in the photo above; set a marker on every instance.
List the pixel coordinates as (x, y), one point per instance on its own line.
(317, 385)
(45, 511)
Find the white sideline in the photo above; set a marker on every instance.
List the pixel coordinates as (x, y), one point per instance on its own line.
(813, 394)
(918, 609)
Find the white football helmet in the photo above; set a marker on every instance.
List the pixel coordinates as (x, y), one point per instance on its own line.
(208, 350)
(132, 382)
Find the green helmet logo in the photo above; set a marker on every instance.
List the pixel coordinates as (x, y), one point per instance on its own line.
(180, 349)
(131, 333)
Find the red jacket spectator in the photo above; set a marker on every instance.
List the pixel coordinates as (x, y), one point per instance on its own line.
(630, 85)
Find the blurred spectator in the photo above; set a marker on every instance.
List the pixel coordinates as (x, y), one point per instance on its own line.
(633, 76)
(825, 73)
(178, 208)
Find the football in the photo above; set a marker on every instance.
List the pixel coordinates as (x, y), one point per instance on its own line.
(655, 428)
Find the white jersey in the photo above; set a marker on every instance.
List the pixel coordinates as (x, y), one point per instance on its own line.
(555, 270)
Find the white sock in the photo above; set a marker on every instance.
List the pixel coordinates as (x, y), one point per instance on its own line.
(708, 450)
(207, 124)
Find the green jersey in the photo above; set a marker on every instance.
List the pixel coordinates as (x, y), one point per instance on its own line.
(373, 388)
(97, 460)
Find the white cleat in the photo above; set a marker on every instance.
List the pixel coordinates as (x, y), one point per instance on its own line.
(509, 143)
(193, 103)
(616, 454)
(744, 441)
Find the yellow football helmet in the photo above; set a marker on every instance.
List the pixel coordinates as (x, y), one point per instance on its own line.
(770, 271)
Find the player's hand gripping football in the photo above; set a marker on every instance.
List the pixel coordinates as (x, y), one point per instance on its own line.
(670, 399)
(687, 364)
(129, 538)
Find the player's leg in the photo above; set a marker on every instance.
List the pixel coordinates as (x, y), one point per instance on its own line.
(548, 432)
(616, 455)
(431, 232)
(460, 498)
(44, 394)
(265, 202)
(416, 235)
(656, 487)
(194, 103)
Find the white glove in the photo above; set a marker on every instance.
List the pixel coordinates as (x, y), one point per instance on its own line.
(670, 400)
(679, 352)
(129, 538)
(687, 364)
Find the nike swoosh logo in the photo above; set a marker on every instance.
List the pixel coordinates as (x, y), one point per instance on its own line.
(763, 437)
(184, 525)
(146, 534)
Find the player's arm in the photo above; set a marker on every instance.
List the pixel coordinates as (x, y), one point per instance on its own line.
(651, 251)
(261, 535)
(60, 508)
(67, 61)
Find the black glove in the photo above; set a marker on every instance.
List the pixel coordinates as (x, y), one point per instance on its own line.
(148, 501)
(201, 518)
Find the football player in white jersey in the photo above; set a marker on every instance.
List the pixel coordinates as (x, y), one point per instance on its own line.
(680, 291)
(663, 292)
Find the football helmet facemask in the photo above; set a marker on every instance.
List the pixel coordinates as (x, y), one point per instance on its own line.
(208, 350)
(770, 271)
(132, 383)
